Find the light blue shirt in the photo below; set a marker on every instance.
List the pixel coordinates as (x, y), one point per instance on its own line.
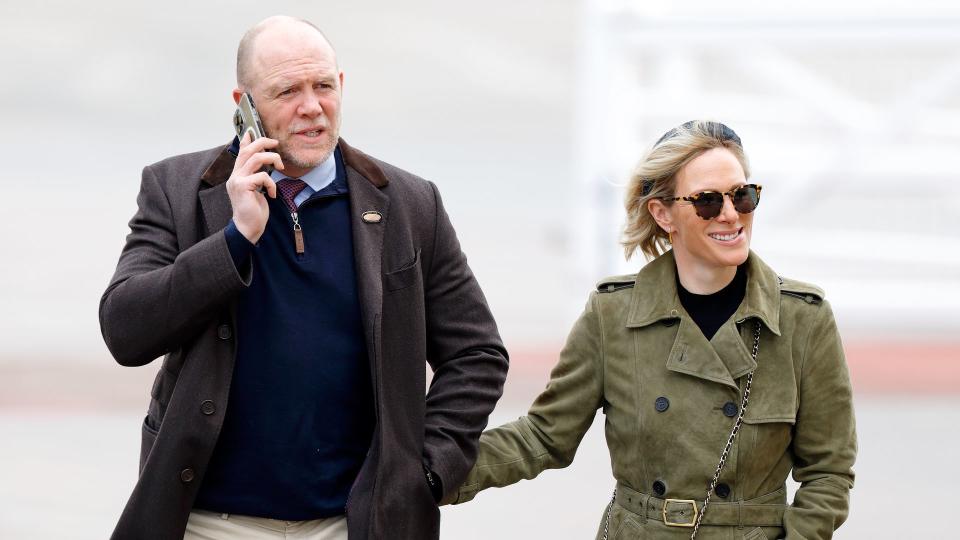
(318, 178)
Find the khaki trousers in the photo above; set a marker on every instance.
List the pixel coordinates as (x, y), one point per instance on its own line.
(204, 525)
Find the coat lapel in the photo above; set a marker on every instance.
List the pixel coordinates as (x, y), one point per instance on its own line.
(693, 355)
(727, 356)
(732, 349)
(214, 200)
(216, 208)
(368, 246)
(364, 181)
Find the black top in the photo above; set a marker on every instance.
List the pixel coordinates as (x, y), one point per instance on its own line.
(710, 311)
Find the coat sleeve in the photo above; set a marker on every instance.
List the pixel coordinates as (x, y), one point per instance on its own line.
(466, 354)
(548, 436)
(159, 296)
(824, 441)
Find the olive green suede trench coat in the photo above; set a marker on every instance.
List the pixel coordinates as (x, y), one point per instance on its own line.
(671, 398)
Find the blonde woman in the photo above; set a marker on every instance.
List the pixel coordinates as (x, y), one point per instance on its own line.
(718, 377)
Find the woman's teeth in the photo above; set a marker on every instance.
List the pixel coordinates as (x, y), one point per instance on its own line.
(725, 237)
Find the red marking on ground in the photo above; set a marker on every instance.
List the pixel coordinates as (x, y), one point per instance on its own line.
(875, 368)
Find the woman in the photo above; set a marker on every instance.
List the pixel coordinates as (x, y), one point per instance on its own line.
(705, 352)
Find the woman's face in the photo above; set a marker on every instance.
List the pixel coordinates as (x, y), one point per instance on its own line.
(723, 241)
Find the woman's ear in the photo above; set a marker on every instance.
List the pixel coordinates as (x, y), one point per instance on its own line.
(661, 214)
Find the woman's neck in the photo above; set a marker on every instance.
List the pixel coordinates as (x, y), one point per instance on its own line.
(700, 279)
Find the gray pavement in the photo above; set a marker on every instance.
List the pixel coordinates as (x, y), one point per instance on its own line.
(67, 475)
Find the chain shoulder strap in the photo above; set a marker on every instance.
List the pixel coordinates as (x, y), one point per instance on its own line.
(606, 521)
(733, 433)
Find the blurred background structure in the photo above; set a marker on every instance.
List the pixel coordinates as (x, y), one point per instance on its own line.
(529, 117)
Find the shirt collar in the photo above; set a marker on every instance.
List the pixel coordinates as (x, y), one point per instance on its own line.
(318, 177)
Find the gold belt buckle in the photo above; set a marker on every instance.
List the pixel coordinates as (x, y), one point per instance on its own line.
(693, 519)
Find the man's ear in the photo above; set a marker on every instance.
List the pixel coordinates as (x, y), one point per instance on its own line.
(236, 95)
(661, 214)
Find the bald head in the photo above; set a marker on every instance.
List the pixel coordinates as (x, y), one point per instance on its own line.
(276, 25)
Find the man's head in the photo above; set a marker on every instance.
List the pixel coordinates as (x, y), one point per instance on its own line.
(290, 70)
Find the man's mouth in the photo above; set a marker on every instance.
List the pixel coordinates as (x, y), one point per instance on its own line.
(311, 132)
(726, 236)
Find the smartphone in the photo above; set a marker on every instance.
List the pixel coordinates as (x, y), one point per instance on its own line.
(247, 120)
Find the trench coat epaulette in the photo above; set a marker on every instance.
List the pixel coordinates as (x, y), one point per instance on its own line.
(616, 283)
(807, 292)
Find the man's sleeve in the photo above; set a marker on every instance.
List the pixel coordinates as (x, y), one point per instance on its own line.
(160, 297)
(467, 356)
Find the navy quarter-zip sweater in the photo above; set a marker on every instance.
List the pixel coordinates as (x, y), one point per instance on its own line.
(301, 415)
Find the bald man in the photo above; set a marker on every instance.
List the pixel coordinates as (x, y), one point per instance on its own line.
(296, 289)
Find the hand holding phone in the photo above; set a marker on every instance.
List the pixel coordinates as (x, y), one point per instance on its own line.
(250, 181)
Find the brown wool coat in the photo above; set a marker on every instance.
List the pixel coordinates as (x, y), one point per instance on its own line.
(667, 395)
(174, 295)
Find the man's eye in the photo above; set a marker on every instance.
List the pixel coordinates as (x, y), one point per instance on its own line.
(286, 92)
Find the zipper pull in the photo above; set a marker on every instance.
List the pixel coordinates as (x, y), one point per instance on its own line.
(297, 233)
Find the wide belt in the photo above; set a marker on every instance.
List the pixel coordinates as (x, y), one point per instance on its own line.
(683, 512)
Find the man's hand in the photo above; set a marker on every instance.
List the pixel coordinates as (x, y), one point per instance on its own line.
(250, 209)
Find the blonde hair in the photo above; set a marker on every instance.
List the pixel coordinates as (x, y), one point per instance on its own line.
(655, 177)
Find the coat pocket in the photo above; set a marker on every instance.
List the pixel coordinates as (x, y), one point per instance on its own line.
(148, 436)
(403, 277)
(770, 436)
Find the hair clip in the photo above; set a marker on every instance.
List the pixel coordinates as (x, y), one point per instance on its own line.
(646, 187)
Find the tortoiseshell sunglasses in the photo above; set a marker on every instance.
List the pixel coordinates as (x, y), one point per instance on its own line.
(709, 204)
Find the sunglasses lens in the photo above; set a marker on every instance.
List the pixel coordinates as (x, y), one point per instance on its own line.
(708, 204)
(746, 198)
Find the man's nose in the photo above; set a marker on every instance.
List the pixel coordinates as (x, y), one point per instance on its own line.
(310, 106)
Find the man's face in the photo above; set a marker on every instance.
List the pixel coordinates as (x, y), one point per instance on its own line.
(297, 86)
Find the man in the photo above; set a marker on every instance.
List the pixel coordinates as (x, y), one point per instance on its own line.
(295, 311)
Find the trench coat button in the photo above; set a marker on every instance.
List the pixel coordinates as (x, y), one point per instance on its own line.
(730, 409)
(186, 475)
(661, 404)
(224, 332)
(674, 313)
(208, 408)
(722, 491)
(659, 488)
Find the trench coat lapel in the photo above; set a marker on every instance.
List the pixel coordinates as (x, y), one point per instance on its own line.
(693, 355)
(727, 356)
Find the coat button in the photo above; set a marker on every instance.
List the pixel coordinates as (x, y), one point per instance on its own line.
(186, 475)
(661, 404)
(730, 409)
(224, 332)
(659, 488)
(208, 408)
(722, 491)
